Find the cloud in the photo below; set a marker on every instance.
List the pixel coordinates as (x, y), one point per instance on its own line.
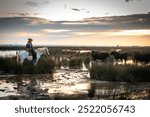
(104, 26)
(54, 31)
(131, 0)
(122, 30)
(132, 33)
(84, 33)
(110, 33)
(32, 3)
(136, 21)
(135, 18)
(19, 14)
(74, 23)
(23, 34)
(37, 3)
(27, 34)
(128, 0)
(37, 21)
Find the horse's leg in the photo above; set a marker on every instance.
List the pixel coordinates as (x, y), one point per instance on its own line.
(22, 60)
(17, 57)
(37, 59)
(35, 62)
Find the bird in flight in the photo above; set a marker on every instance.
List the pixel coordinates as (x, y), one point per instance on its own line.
(128, 0)
(75, 9)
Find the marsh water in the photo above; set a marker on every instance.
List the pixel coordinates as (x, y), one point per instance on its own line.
(67, 83)
(9, 53)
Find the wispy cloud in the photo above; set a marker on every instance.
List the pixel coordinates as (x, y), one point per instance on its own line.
(22, 14)
(135, 18)
(23, 34)
(37, 3)
(135, 21)
(128, 0)
(37, 21)
(131, 33)
(131, 0)
(54, 31)
(116, 33)
(74, 23)
(27, 34)
(32, 3)
(84, 33)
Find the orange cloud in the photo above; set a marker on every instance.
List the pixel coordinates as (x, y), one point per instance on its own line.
(54, 31)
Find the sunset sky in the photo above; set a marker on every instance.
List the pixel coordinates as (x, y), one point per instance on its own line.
(75, 22)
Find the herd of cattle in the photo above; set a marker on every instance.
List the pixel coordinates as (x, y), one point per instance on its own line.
(118, 56)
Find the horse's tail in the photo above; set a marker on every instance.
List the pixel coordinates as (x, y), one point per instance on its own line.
(17, 54)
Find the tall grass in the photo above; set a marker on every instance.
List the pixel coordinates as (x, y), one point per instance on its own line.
(9, 65)
(86, 61)
(126, 73)
(64, 63)
(75, 63)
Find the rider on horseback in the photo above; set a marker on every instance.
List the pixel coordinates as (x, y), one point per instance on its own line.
(29, 48)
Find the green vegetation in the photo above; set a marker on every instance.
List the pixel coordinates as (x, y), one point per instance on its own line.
(125, 73)
(9, 65)
(75, 63)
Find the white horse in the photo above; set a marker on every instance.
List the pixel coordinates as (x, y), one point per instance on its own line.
(24, 54)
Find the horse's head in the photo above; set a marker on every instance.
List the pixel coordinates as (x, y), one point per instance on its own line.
(47, 51)
(44, 51)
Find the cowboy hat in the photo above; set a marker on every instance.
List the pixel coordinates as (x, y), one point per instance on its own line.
(30, 39)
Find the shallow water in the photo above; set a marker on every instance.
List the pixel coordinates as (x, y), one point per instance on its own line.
(68, 84)
(80, 51)
(9, 53)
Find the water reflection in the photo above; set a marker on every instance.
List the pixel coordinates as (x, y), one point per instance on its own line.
(64, 82)
(68, 84)
(7, 88)
(10, 53)
(80, 51)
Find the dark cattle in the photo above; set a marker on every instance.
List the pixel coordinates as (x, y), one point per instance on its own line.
(142, 58)
(120, 56)
(99, 56)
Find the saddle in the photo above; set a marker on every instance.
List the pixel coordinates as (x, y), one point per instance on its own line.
(30, 53)
(33, 54)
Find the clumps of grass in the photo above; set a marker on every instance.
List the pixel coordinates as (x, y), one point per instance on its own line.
(64, 63)
(45, 65)
(139, 73)
(126, 73)
(75, 63)
(9, 65)
(87, 62)
(103, 72)
(92, 90)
